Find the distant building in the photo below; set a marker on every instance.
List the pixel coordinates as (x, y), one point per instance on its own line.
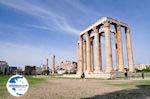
(30, 70)
(38, 70)
(3, 67)
(12, 70)
(45, 65)
(66, 67)
(141, 66)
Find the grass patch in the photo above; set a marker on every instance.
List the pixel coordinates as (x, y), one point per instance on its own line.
(32, 80)
(3, 81)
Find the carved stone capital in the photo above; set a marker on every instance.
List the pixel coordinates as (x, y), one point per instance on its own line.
(127, 30)
(118, 27)
(96, 29)
(106, 24)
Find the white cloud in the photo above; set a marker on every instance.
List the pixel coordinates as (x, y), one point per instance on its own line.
(46, 16)
(86, 10)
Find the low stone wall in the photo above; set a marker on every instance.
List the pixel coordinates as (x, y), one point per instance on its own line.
(103, 75)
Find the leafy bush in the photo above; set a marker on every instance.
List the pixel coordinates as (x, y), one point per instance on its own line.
(1, 72)
(45, 72)
(147, 69)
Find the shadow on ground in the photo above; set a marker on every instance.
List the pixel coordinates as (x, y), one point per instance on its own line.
(142, 92)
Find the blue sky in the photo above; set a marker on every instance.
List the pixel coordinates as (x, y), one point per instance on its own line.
(31, 30)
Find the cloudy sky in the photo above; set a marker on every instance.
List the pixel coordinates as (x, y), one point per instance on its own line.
(31, 30)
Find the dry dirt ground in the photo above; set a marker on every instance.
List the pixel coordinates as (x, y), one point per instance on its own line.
(83, 89)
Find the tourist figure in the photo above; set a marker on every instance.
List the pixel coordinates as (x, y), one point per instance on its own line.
(126, 75)
(83, 75)
(142, 74)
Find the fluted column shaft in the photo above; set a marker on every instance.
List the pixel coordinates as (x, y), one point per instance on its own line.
(117, 56)
(88, 52)
(120, 49)
(108, 47)
(129, 50)
(84, 52)
(80, 57)
(92, 56)
(98, 60)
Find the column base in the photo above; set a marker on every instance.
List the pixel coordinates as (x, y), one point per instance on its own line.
(97, 71)
(79, 73)
(109, 70)
(121, 70)
(132, 71)
(131, 68)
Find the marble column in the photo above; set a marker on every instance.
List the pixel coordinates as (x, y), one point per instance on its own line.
(108, 47)
(98, 60)
(88, 52)
(119, 49)
(80, 61)
(92, 56)
(129, 50)
(117, 56)
(84, 52)
(53, 71)
(78, 55)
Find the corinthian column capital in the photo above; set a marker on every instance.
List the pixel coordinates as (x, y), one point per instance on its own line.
(106, 24)
(118, 27)
(96, 29)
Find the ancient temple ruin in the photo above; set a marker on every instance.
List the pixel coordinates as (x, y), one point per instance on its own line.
(89, 52)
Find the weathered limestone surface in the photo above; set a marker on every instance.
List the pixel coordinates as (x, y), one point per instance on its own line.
(88, 52)
(98, 65)
(120, 49)
(129, 50)
(84, 52)
(80, 56)
(108, 47)
(92, 56)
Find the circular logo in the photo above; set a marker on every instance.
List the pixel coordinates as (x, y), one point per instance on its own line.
(17, 85)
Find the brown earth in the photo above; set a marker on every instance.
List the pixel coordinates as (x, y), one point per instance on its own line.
(77, 89)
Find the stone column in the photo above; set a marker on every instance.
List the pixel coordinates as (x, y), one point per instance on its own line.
(120, 49)
(98, 60)
(78, 55)
(46, 63)
(108, 47)
(92, 56)
(84, 52)
(53, 71)
(117, 57)
(80, 61)
(129, 50)
(88, 52)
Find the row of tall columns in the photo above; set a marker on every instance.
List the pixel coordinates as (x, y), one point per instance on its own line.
(87, 53)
